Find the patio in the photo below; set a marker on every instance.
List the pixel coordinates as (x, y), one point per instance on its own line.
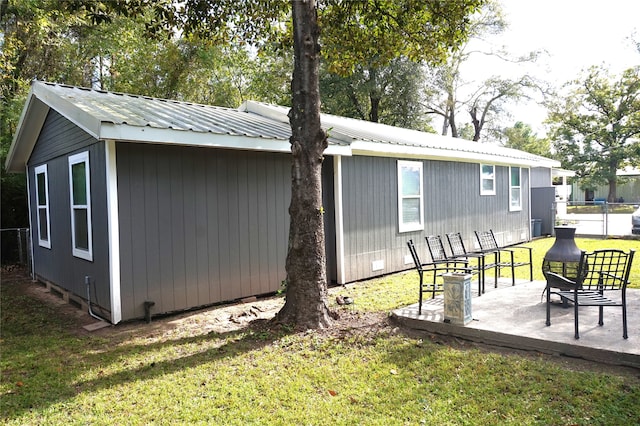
(515, 317)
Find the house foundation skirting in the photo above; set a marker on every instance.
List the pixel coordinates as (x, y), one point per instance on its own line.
(64, 294)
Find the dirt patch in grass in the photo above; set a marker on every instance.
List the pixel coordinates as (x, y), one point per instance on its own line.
(215, 319)
(256, 316)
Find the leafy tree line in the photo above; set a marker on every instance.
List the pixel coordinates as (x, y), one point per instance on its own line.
(58, 40)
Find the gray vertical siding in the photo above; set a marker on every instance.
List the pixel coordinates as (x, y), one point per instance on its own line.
(58, 140)
(200, 226)
(541, 177)
(59, 137)
(369, 215)
(452, 203)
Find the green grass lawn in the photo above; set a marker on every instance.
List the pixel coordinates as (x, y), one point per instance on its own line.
(52, 374)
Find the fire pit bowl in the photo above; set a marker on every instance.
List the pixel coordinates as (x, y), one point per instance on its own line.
(562, 258)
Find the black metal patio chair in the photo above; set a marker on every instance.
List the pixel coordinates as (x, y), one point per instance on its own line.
(437, 267)
(505, 255)
(455, 264)
(482, 260)
(601, 280)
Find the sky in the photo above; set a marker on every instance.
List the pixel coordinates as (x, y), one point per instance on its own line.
(576, 34)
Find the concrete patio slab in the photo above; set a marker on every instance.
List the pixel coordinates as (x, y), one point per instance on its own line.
(515, 317)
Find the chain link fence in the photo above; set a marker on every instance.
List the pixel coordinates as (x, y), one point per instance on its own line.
(16, 247)
(598, 218)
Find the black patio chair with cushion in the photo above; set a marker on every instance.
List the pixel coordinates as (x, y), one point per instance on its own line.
(436, 267)
(601, 280)
(506, 256)
(483, 261)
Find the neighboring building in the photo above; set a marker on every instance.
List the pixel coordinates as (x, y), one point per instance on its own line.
(185, 205)
(627, 189)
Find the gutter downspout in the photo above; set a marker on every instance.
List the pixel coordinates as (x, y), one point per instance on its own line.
(87, 281)
(113, 230)
(339, 218)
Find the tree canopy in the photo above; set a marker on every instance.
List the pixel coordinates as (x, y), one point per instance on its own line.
(596, 126)
(522, 137)
(390, 95)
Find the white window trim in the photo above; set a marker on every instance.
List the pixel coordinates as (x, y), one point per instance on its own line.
(43, 170)
(82, 157)
(403, 227)
(513, 208)
(493, 179)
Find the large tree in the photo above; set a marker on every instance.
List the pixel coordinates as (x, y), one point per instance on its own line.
(596, 126)
(34, 43)
(488, 101)
(351, 33)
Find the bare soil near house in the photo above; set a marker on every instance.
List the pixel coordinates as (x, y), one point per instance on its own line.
(258, 315)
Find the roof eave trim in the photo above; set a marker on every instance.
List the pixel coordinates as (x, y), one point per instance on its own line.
(25, 138)
(85, 120)
(123, 132)
(390, 150)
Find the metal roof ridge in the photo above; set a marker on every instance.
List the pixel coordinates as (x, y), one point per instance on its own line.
(131, 95)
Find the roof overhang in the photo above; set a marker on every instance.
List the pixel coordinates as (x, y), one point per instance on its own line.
(375, 139)
(562, 173)
(153, 135)
(39, 101)
(408, 151)
(24, 140)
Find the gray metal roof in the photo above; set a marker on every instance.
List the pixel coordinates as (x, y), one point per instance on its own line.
(254, 126)
(143, 111)
(351, 131)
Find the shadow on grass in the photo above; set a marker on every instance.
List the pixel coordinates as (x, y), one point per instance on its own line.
(43, 362)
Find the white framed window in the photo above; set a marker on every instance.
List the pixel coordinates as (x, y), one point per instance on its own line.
(42, 202)
(515, 190)
(80, 196)
(487, 179)
(410, 199)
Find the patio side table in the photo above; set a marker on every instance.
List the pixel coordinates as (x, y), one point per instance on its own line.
(457, 298)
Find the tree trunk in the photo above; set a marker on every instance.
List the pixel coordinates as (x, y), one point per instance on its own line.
(612, 180)
(612, 197)
(452, 123)
(477, 124)
(306, 297)
(375, 108)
